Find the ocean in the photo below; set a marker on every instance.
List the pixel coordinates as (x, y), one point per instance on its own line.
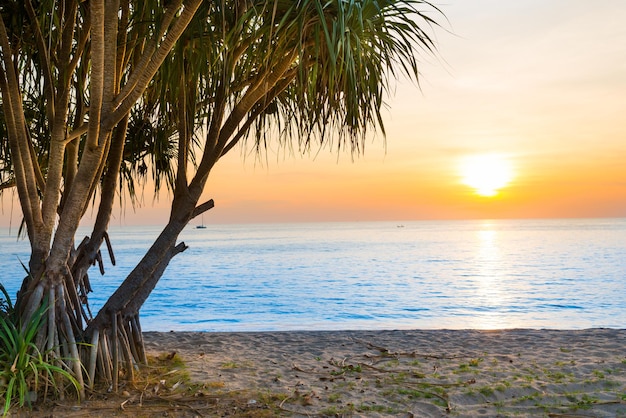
(554, 273)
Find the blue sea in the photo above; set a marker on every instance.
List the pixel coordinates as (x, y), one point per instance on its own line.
(564, 273)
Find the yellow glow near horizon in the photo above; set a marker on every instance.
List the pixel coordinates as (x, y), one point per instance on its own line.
(486, 174)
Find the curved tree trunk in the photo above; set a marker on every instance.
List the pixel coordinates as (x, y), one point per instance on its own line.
(115, 333)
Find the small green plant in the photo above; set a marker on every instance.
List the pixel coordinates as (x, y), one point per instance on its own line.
(584, 402)
(347, 369)
(376, 408)
(475, 362)
(334, 397)
(392, 363)
(464, 367)
(230, 365)
(557, 377)
(502, 386)
(529, 397)
(336, 411)
(486, 391)
(23, 368)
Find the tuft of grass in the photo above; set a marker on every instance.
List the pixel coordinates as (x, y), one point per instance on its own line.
(584, 402)
(169, 368)
(229, 365)
(334, 397)
(502, 386)
(475, 362)
(24, 369)
(486, 391)
(334, 411)
(392, 363)
(530, 397)
(396, 378)
(558, 377)
(349, 368)
(464, 367)
(377, 408)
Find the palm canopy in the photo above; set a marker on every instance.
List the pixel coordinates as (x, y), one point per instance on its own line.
(309, 72)
(296, 70)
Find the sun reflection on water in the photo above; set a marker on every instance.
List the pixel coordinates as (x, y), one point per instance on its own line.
(489, 279)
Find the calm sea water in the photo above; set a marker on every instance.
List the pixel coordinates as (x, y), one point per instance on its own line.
(568, 274)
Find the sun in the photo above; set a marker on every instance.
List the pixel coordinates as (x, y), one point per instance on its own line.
(487, 173)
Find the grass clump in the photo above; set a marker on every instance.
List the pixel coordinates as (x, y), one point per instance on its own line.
(230, 365)
(25, 371)
(486, 391)
(377, 408)
(346, 369)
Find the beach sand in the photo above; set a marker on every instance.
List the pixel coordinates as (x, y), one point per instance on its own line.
(408, 373)
(412, 373)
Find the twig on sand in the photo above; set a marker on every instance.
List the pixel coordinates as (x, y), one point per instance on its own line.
(386, 353)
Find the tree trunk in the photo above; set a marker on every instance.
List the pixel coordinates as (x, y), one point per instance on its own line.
(115, 332)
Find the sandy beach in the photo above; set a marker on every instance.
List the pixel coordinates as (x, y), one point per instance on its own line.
(409, 373)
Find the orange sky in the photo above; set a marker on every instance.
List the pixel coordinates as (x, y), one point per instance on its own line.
(543, 83)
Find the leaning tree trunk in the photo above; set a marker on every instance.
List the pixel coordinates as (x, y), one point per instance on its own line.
(114, 335)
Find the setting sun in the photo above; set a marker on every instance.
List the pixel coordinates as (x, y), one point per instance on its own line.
(486, 174)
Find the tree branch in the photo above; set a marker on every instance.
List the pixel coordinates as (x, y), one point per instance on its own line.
(256, 112)
(110, 81)
(8, 184)
(96, 82)
(200, 209)
(18, 141)
(82, 41)
(44, 58)
(58, 129)
(182, 186)
(252, 97)
(146, 70)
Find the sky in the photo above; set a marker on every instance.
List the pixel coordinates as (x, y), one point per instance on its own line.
(536, 86)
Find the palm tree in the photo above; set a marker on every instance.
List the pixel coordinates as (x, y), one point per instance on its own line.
(129, 89)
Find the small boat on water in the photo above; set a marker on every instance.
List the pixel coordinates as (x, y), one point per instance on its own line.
(202, 225)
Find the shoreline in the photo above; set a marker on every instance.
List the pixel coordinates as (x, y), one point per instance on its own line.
(422, 373)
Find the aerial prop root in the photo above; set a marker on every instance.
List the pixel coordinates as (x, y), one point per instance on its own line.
(115, 351)
(55, 333)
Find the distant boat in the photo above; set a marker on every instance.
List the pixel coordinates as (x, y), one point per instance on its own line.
(202, 225)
